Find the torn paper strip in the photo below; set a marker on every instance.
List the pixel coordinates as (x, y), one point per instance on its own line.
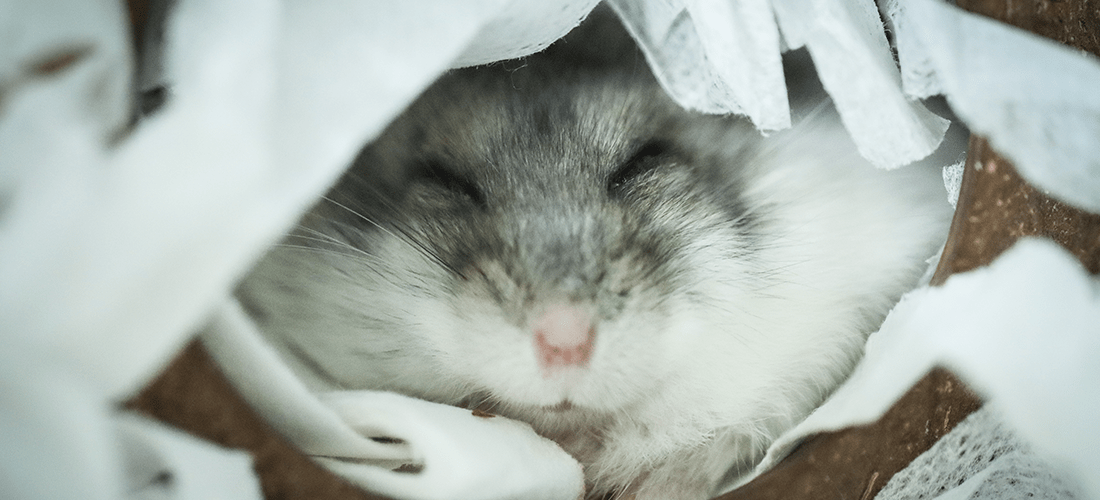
(1037, 101)
(461, 456)
(1024, 331)
(854, 62)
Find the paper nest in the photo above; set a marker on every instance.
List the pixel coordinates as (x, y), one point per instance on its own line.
(115, 247)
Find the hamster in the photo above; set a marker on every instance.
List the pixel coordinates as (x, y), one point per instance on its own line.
(555, 240)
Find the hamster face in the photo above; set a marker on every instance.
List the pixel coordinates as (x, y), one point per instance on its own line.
(604, 216)
(555, 240)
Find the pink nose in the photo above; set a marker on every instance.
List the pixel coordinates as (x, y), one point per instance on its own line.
(563, 337)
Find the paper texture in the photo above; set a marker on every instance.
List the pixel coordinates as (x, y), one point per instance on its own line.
(1023, 332)
(980, 459)
(715, 57)
(853, 60)
(1037, 101)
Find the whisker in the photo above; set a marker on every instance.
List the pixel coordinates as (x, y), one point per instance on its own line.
(319, 234)
(405, 236)
(329, 251)
(335, 242)
(359, 215)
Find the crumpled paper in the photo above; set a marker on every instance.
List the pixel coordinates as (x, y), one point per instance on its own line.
(855, 65)
(460, 455)
(1036, 100)
(715, 57)
(1024, 332)
(115, 245)
(981, 459)
(723, 57)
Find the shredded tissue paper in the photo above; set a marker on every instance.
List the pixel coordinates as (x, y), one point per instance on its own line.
(117, 245)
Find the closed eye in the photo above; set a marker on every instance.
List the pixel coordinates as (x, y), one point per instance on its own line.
(435, 172)
(644, 160)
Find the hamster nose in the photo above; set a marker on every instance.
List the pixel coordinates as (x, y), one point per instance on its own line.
(563, 337)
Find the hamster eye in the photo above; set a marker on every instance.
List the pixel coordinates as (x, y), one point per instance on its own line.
(434, 172)
(644, 160)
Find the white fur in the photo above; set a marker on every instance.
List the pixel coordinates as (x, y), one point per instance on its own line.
(748, 345)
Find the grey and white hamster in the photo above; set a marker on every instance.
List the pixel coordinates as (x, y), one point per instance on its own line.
(554, 240)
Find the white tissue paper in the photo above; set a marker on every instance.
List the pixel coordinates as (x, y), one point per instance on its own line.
(952, 181)
(1024, 332)
(162, 463)
(853, 60)
(462, 456)
(981, 458)
(715, 57)
(115, 246)
(1038, 101)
